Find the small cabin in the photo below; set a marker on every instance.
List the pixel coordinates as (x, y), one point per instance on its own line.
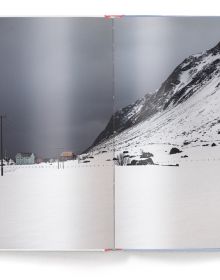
(67, 156)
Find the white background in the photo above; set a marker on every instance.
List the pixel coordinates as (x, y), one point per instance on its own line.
(111, 265)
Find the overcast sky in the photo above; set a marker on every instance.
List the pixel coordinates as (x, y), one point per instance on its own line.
(147, 49)
(55, 83)
(56, 79)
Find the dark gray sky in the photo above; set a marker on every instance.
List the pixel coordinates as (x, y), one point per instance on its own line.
(147, 49)
(56, 73)
(55, 82)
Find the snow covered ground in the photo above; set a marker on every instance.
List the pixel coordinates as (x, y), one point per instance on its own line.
(163, 207)
(190, 126)
(183, 113)
(44, 208)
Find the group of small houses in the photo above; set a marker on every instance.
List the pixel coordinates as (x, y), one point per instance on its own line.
(8, 162)
(30, 158)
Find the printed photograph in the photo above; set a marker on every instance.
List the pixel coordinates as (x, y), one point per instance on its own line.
(167, 92)
(166, 132)
(55, 97)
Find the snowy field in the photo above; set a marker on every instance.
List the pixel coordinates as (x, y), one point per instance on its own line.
(44, 208)
(168, 207)
(189, 154)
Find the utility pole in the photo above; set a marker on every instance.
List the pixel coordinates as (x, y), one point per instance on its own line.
(59, 163)
(2, 156)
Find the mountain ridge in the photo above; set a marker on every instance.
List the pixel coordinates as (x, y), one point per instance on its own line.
(192, 75)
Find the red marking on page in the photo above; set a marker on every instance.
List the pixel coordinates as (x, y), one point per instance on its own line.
(113, 16)
(108, 250)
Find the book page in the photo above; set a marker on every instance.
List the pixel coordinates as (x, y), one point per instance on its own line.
(167, 132)
(56, 191)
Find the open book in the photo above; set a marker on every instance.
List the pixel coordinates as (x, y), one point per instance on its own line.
(110, 133)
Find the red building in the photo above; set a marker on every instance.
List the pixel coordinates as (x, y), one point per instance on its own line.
(67, 156)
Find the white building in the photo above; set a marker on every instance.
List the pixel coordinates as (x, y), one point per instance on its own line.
(25, 158)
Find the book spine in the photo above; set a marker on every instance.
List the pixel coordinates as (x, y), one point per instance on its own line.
(112, 249)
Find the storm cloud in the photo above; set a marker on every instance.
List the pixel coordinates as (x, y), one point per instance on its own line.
(56, 74)
(147, 49)
(55, 83)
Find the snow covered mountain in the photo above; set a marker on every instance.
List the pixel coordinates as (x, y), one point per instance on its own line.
(184, 112)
